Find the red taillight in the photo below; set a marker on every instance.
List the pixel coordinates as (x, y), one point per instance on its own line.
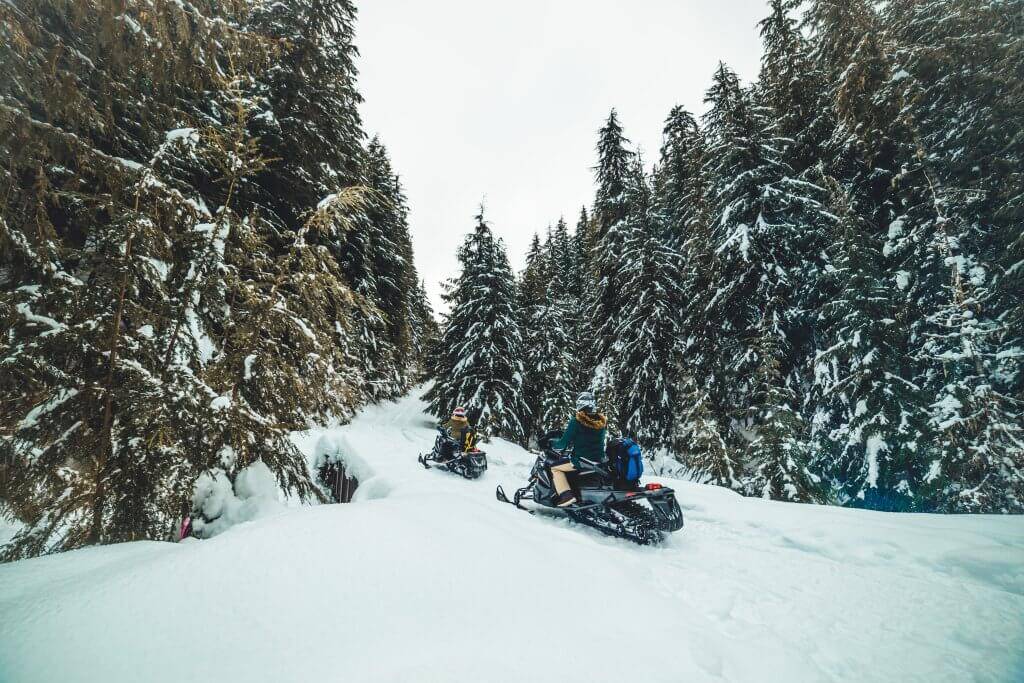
(653, 487)
(630, 494)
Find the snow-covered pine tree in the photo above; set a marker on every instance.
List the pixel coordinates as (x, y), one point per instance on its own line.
(867, 429)
(959, 96)
(424, 331)
(836, 27)
(977, 452)
(648, 340)
(145, 180)
(680, 192)
(579, 285)
(777, 457)
(875, 395)
(314, 128)
(699, 437)
(275, 362)
(315, 131)
(865, 152)
(531, 311)
(83, 352)
(582, 246)
(548, 314)
(681, 208)
(389, 250)
(611, 208)
(549, 357)
(793, 90)
(103, 439)
(479, 362)
(753, 231)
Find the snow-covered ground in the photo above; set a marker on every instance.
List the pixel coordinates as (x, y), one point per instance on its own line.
(428, 578)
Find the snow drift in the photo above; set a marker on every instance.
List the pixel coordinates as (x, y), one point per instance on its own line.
(427, 578)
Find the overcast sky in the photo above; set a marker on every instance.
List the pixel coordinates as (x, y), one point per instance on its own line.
(501, 102)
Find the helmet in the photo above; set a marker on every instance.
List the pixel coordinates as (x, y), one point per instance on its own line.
(586, 401)
(459, 412)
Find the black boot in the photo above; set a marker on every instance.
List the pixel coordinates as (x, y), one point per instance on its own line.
(565, 499)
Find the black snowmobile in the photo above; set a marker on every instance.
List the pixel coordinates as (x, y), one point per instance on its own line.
(448, 455)
(606, 501)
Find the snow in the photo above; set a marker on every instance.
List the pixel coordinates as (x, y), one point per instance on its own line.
(740, 238)
(249, 360)
(896, 229)
(8, 529)
(427, 578)
(189, 136)
(26, 311)
(32, 419)
(266, 116)
(875, 444)
(129, 164)
(222, 402)
(977, 276)
(132, 25)
(255, 495)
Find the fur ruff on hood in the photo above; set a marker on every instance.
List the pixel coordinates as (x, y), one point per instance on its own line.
(592, 420)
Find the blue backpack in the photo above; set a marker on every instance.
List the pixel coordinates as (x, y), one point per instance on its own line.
(627, 459)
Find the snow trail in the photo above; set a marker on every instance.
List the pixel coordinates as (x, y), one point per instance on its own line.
(426, 577)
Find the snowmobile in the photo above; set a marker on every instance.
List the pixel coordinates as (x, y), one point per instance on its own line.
(448, 455)
(606, 502)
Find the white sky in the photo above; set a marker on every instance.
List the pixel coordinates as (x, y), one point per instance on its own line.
(501, 102)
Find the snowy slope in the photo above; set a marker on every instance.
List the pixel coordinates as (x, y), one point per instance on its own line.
(427, 578)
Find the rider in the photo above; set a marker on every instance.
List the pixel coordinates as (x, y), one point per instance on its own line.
(460, 431)
(585, 433)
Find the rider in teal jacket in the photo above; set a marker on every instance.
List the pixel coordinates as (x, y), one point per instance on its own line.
(586, 433)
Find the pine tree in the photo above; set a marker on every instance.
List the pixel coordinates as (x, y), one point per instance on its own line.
(949, 209)
(757, 217)
(647, 346)
(836, 28)
(978, 454)
(791, 88)
(777, 454)
(314, 126)
(681, 209)
(172, 240)
(867, 406)
(479, 363)
(551, 351)
(579, 285)
(792, 92)
(532, 315)
(581, 248)
(424, 331)
(388, 251)
(611, 209)
(699, 440)
(680, 189)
